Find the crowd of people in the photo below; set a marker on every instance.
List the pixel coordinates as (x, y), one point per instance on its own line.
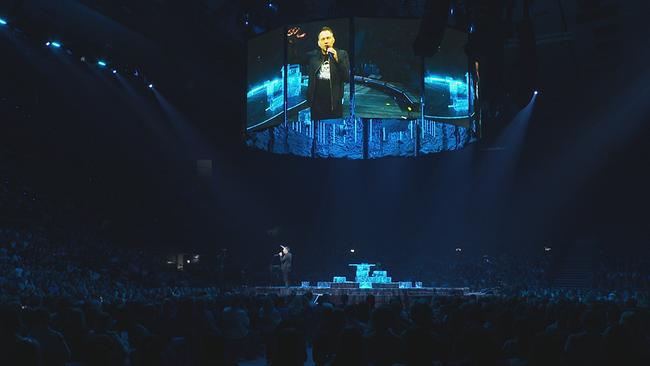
(76, 299)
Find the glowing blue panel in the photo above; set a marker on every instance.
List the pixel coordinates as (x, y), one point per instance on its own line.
(265, 86)
(55, 44)
(363, 270)
(405, 285)
(3, 22)
(295, 81)
(304, 284)
(101, 63)
(324, 284)
(339, 280)
(265, 74)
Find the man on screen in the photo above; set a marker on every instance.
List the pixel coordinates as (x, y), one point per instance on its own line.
(328, 69)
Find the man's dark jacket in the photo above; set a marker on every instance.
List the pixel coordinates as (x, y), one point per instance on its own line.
(339, 73)
(285, 262)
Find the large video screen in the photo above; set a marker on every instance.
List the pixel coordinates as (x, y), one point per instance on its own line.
(446, 79)
(265, 93)
(388, 76)
(318, 71)
(312, 67)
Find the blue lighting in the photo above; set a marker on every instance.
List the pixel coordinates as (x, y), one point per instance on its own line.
(536, 92)
(114, 71)
(269, 84)
(53, 44)
(150, 86)
(101, 63)
(457, 91)
(3, 22)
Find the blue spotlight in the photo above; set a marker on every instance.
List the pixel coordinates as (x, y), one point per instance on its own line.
(3, 22)
(101, 63)
(536, 92)
(114, 71)
(53, 44)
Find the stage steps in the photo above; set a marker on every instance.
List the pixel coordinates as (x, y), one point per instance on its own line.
(576, 269)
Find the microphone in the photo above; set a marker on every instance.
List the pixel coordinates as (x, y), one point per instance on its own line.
(329, 53)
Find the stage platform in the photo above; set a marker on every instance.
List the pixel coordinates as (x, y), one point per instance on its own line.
(356, 295)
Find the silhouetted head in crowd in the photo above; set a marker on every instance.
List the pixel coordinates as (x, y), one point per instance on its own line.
(421, 315)
(381, 319)
(351, 349)
(291, 348)
(104, 350)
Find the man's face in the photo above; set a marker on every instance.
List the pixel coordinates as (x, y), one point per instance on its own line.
(325, 40)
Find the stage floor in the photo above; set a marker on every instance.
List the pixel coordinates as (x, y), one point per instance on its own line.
(355, 295)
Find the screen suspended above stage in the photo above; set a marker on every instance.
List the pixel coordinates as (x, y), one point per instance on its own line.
(353, 88)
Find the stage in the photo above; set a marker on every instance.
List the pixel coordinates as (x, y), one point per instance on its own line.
(356, 295)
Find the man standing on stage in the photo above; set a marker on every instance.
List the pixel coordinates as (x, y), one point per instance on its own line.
(328, 69)
(285, 264)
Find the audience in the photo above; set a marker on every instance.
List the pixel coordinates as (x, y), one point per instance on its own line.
(81, 301)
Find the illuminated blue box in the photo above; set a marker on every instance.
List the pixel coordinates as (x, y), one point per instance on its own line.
(304, 284)
(324, 284)
(339, 279)
(405, 284)
(294, 80)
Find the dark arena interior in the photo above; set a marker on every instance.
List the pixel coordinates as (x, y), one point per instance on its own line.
(324, 182)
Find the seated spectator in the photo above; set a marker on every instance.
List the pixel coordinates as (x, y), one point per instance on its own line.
(583, 348)
(291, 348)
(383, 345)
(53, 345)
(351, 349)
(422, 344)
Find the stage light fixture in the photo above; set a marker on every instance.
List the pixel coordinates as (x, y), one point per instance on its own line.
(114, 71)
(351, 250)
(150, 86)
(3, 22)
(53, 44)
(101, 63)
(536, 92)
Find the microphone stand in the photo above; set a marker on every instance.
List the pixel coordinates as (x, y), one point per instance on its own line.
(271, 277)
(331, 74)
